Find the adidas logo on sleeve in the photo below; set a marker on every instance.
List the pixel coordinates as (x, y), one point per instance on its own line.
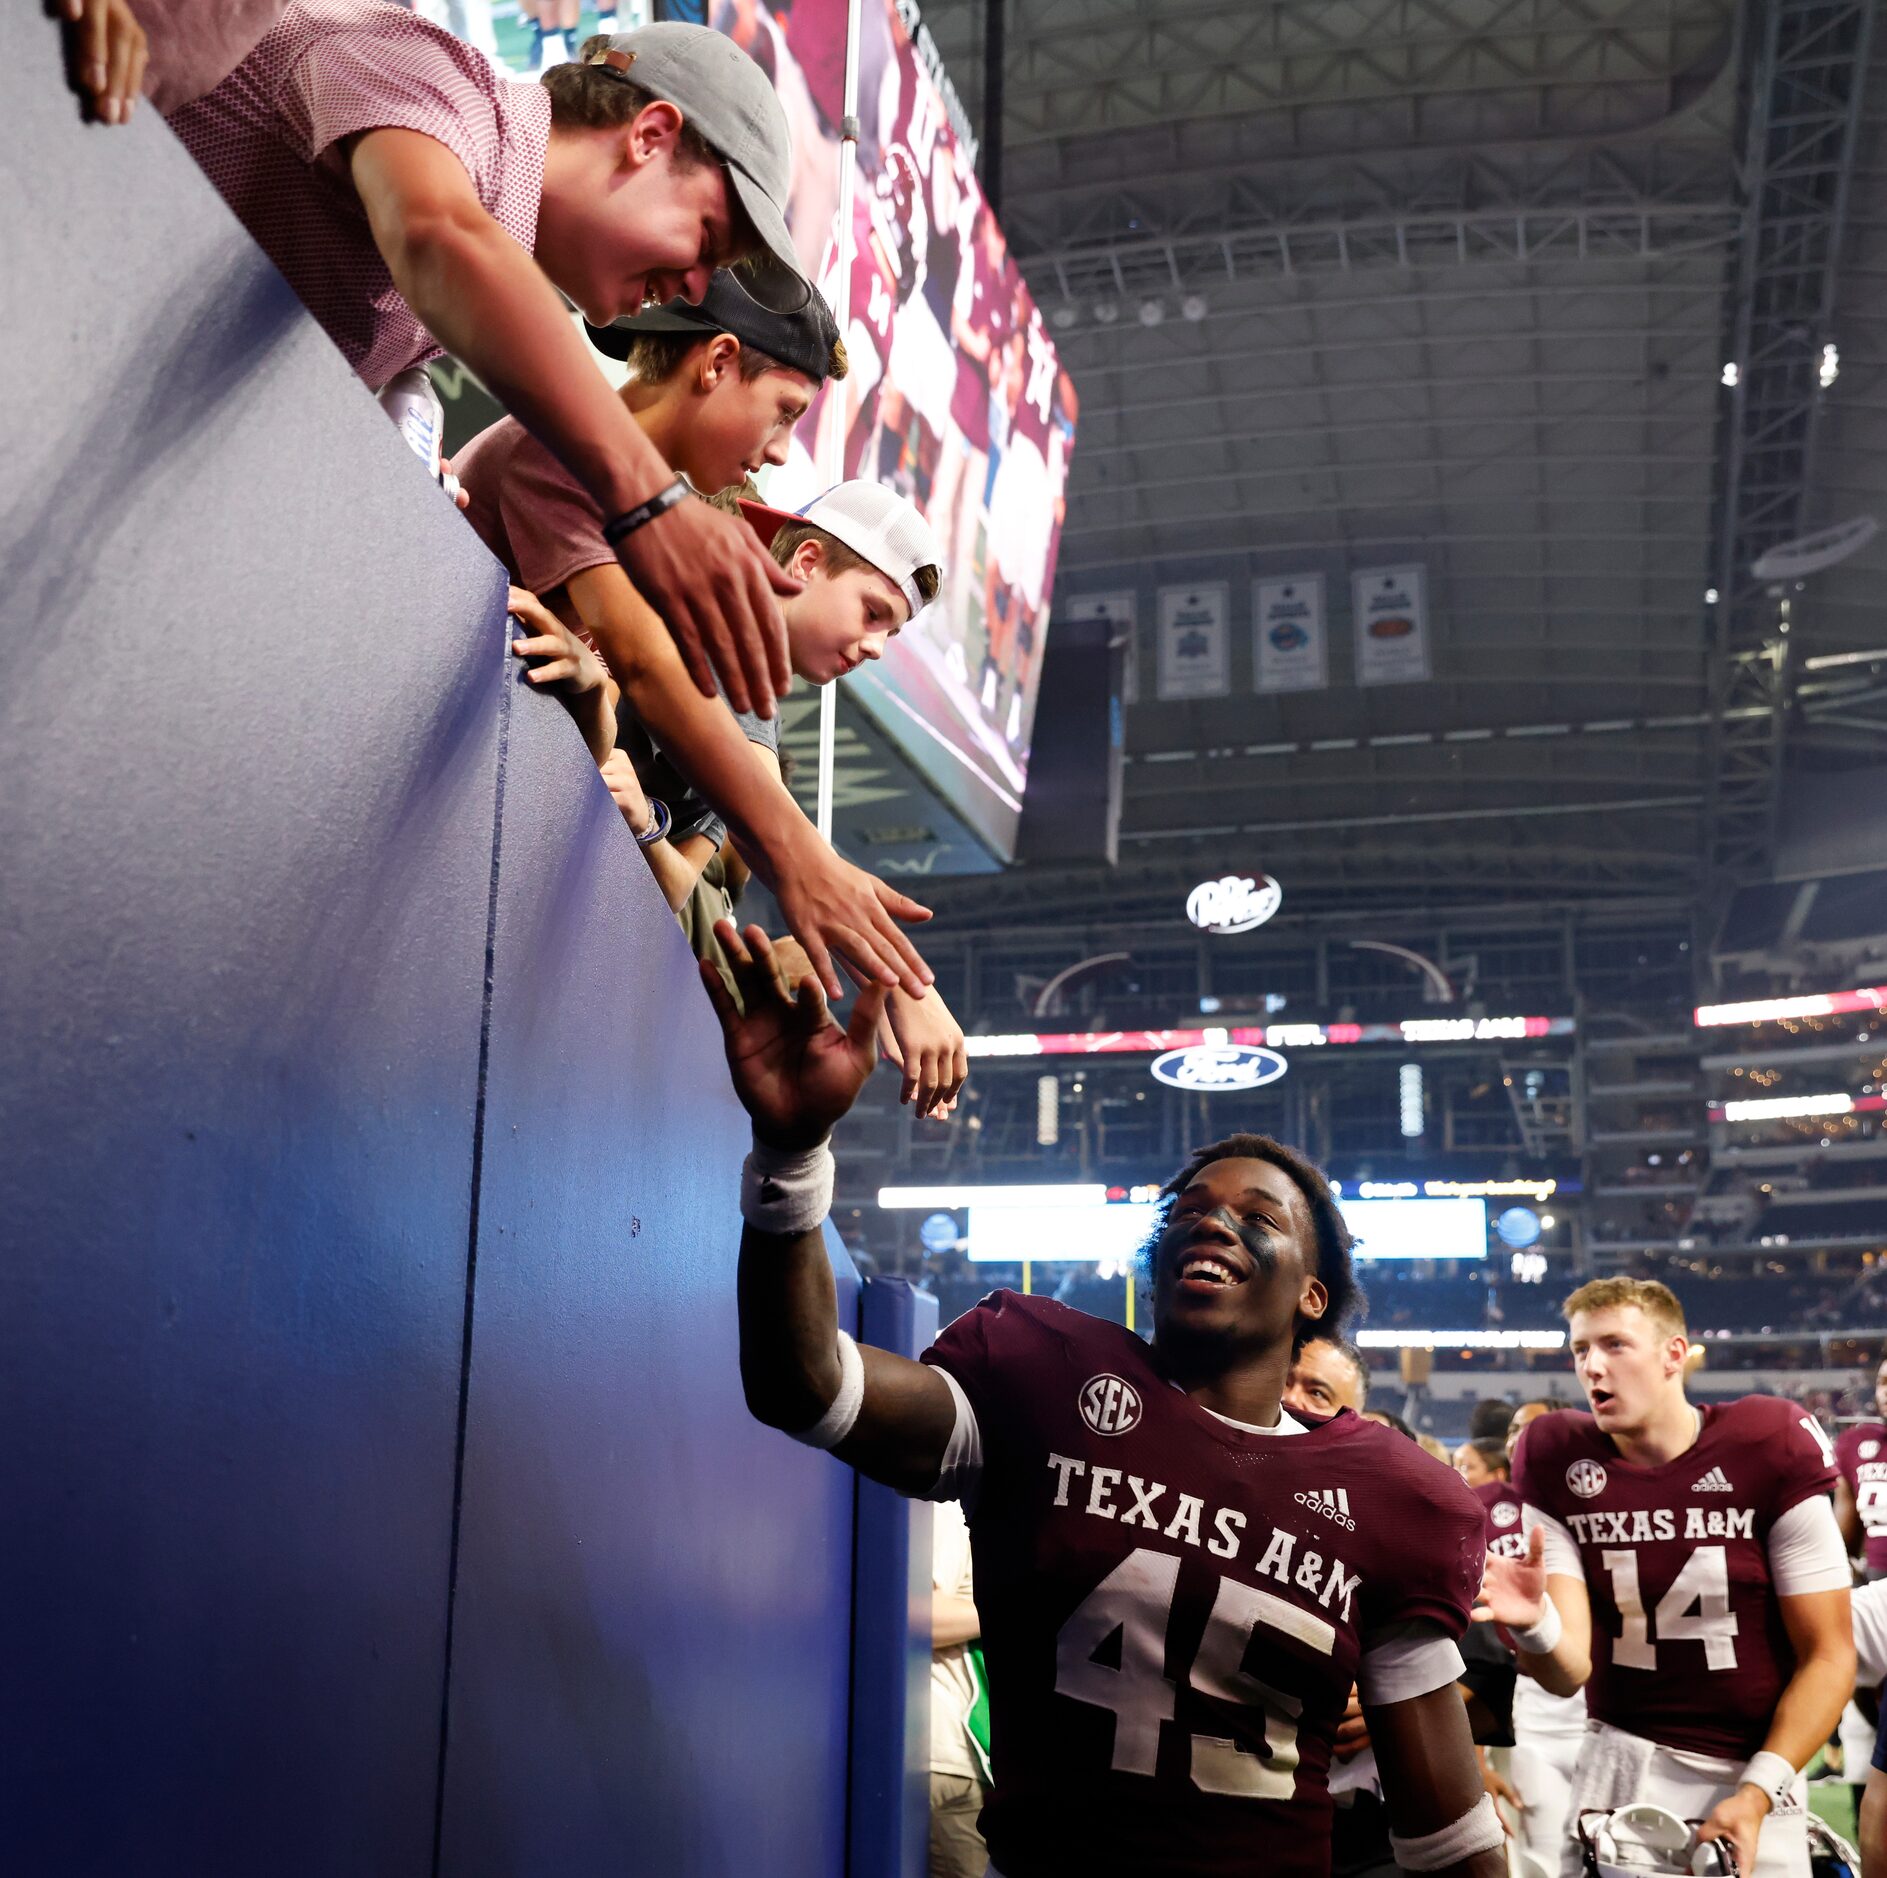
(1716, 1481)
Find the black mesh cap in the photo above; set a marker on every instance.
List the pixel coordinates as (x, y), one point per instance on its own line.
(803, 340)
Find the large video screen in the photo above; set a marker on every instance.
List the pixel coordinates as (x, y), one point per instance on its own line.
(1007, 1231)
(956, 396)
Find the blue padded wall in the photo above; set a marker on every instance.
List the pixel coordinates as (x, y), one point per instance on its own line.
(251, 801)
(247, 789)
(890, 1771)
(650, 1642)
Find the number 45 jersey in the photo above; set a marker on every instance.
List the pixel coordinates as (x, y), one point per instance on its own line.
(1688, 1646)
(1175, 1608)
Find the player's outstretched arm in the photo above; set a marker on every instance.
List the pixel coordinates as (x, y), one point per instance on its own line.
(1441, 1819)
(1548, 1614)
(796, 1073)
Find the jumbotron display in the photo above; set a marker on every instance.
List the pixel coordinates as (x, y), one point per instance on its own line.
(956, 396)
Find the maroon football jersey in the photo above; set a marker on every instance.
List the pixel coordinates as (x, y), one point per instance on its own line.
(1032, 418)
(1173, 1609)
(1861, 1455)
(1501, 1504)
(1688, 1647)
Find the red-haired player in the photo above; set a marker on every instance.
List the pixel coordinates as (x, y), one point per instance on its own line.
(1685, 1568)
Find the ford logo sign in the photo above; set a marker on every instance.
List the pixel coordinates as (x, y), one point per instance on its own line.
(1216, 1068)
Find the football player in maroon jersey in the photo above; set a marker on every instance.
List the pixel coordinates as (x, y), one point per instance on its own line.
(1178, 1580)
(1861, 1492)
(1684, 1566)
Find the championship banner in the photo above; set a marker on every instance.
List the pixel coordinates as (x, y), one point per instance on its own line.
(1289, 648)
(1120, 612)
(1195, 641)
(1390, 606)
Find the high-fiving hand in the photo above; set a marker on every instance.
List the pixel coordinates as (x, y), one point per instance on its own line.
(795, 1070)
(926, 1043)
(109, 51)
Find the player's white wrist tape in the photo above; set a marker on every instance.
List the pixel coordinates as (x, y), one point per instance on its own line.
(786, 1190)
(1771, 1772)
(836, 1423)
(1477, 1830)
(1540, 1638)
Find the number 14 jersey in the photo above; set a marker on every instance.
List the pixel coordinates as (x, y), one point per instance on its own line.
(1175, 1609)
(1688, 1645)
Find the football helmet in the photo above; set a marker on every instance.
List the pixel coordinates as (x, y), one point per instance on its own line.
(1631, 1841)
(1830, 1855)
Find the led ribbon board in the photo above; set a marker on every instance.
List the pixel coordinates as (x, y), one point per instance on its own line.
(1780, 1010)
(1413, 1030)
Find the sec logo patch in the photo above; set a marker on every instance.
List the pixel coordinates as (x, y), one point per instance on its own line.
(1586, 1478)
(1505, 1512)
(1110, 1405)
(1868, 1449)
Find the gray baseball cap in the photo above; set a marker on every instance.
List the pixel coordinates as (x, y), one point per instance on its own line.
(728, 99)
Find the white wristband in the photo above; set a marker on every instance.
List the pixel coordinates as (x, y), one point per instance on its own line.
(1540, 1638)
(1477, 1830)
(1771, 1772)
(786, 1191)
(842, 1411)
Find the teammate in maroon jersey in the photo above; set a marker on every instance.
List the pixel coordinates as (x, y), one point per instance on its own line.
(1178, 1580)
(1684, 1567)
(1501, 1504)
(1861, 1492)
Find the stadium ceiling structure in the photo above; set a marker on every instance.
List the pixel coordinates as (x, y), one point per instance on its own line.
(1349, 282)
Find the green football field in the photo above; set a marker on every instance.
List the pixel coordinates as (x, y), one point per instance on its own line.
(1833, 1801)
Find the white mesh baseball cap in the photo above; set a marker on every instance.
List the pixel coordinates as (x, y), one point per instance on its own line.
(876, 523)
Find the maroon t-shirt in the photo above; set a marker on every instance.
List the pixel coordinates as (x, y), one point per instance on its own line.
(1688, 1647)
(1174, 1609)
(1861, 1455)
(528, 509)
(1501, 1505)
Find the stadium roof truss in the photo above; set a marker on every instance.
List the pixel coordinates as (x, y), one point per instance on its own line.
(1348, 282)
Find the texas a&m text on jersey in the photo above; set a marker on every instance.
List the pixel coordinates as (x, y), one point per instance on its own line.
(1688, 1646)
(1175, 1608)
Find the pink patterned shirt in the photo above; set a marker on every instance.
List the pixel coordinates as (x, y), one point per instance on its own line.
(268, 138)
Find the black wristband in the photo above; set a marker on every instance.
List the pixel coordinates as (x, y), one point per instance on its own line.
(644, 512)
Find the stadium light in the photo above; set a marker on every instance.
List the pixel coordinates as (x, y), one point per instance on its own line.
(1047, 1111)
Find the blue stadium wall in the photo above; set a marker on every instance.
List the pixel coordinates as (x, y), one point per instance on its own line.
(377, 1491)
